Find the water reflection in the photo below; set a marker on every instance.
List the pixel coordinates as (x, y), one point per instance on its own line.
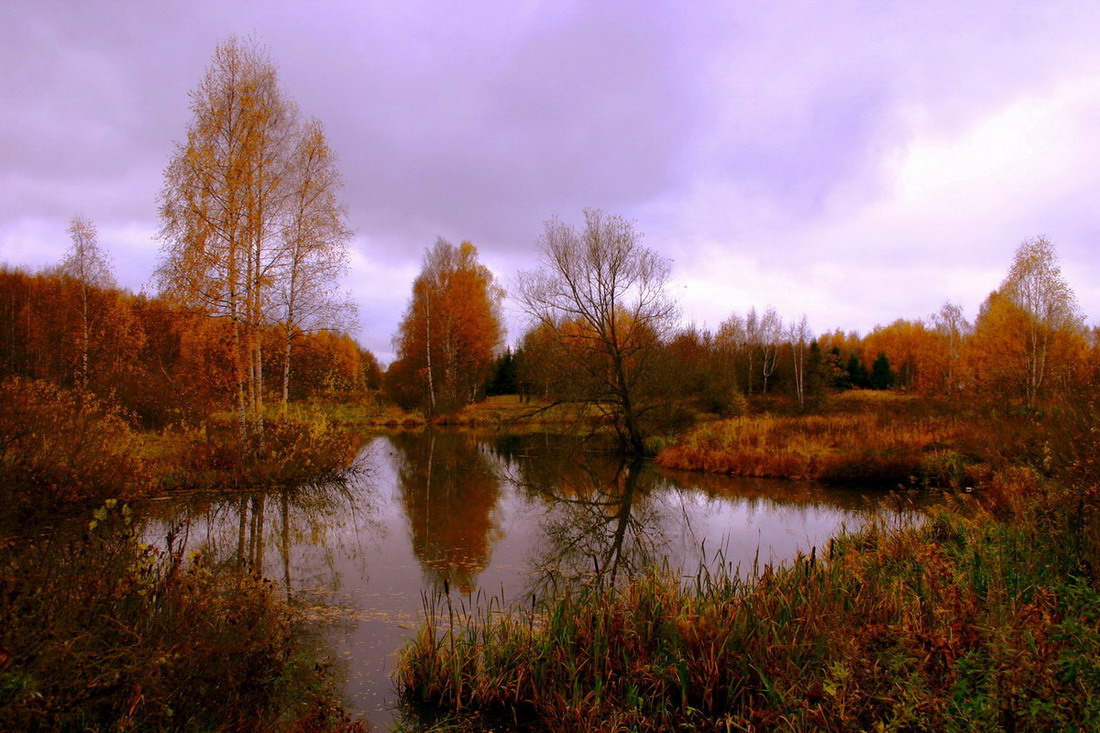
(450, 486)
(296, 536)
(508, 514)
(597, 520)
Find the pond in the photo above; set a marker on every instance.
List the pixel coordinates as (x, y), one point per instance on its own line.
(510, 516)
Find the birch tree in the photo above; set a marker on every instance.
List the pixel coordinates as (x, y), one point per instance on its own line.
(248, 206)
(752, 342)
(89, 266)
(770, 332)
(800, 337)
(315, 247)
(952, 326)
(1036, 286)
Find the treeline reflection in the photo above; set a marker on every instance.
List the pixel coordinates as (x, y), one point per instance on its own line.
(586, 516)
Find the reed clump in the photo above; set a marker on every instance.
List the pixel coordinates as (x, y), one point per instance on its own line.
(967, 621)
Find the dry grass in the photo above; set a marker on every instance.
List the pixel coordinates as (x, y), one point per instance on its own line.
(868, 447)
(874, 438)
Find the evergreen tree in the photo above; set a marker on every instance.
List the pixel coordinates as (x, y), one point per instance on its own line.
(858, 378)
(820, 375)
(503, 380)
(882, 375)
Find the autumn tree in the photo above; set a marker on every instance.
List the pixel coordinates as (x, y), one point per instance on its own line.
(698, 372)
(601, 296)
(89, 267)
(248, 204)
(448, 340)
(732, 343)
(315, 246)
(534, 365)
(1035, 285)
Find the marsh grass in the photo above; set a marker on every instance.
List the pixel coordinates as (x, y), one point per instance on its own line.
(103, 632)
(844, 448)
(965, 622)
(866, 438)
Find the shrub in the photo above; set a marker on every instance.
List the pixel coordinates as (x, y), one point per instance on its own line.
(59, 445)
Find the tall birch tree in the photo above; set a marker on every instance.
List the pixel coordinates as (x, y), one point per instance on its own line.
(248, 213)
(315, 246)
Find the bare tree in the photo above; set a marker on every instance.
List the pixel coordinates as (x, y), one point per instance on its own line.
(90, 267)
(602, 296)
(770, 332)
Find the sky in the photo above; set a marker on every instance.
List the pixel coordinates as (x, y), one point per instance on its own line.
(858, 162)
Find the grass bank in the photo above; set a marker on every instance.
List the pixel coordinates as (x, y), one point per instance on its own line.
(66, 451)
(982, 618)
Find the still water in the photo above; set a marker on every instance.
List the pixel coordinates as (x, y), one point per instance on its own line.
(509, 516)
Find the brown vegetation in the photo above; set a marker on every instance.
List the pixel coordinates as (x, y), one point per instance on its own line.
(875, 440)
(103, 632)
(966, 622)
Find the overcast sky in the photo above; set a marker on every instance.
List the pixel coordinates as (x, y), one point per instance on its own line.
(857, 162)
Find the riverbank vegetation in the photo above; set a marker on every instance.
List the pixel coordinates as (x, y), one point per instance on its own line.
(884, 439)
(104, 632)
(982, 617)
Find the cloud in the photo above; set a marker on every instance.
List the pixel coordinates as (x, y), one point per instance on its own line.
(857, 161)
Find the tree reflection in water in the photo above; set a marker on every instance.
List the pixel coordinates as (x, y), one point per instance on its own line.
(600, 522)
(449, 487)
(243, 530)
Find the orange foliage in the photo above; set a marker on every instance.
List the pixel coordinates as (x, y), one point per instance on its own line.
(160, 362)
(917, 354)
(450, 333)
